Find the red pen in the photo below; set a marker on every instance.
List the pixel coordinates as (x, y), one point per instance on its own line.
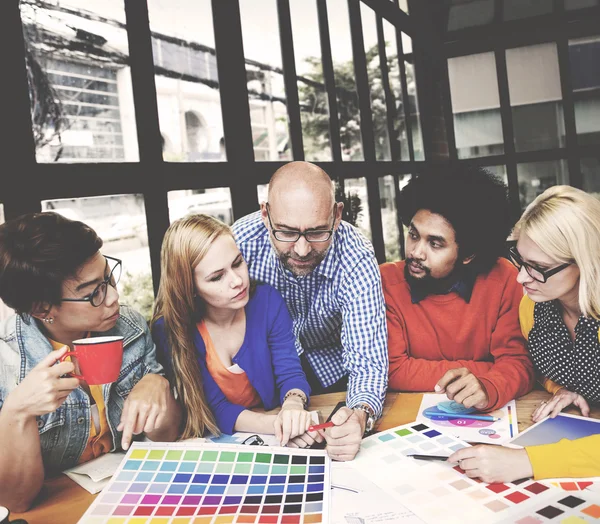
(321, 426)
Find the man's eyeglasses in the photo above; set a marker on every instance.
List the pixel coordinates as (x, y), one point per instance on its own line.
(314, 235)
(96, 298)
(539, 275)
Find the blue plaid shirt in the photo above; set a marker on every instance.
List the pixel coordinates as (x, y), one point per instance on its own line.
(338, 309)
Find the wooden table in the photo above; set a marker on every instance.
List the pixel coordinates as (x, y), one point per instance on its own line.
(62, 501)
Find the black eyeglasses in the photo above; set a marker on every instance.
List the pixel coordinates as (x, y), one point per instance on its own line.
(254, 440)
(96, 298)
(315, 235)
(539, 275)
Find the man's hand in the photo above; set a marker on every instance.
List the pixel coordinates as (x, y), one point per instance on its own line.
(145, 408)
(561, 399)
(343, 440)
(463, 387)
(493, 463)
(306, 440)
(43, 390)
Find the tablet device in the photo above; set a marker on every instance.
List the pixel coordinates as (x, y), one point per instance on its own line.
(551, 430)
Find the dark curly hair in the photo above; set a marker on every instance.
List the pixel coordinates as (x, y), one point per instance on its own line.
(473, 201)
(38, 252)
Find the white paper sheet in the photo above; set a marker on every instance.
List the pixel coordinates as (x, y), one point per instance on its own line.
(356, 500)
(95, 474)
(487, 432)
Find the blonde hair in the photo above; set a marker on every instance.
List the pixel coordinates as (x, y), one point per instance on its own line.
(565, 223)
(185, 244)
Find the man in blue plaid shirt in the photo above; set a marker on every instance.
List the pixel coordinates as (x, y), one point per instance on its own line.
(329, 277)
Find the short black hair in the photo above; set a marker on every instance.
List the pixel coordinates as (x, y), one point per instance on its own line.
(38, 252)
(472, 200)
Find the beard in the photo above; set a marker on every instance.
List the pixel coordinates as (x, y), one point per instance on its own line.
(313, 259)
(427, 284)
(421, 283)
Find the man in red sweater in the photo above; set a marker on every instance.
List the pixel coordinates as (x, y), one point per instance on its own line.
(453, 304)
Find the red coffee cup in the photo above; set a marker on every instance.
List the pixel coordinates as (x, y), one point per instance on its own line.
(99, 359)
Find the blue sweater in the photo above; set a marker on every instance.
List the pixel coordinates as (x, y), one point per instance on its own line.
(268, 356)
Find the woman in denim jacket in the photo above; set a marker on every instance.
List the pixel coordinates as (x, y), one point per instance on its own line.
(62, 289)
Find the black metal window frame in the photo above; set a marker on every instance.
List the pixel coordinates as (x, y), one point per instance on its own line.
(558, 27)
(26, 183)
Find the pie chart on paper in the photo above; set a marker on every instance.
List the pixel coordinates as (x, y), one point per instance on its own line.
(437, 410)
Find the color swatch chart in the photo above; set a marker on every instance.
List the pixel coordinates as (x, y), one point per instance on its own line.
(441, 492)
(565, 509)
(215, 484)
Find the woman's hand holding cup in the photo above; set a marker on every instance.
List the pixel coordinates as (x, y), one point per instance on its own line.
(44, 389)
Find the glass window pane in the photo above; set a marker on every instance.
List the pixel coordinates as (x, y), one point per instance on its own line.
(536, 177)
(80, 81)
(345, 82)
(580, 4)
(356, 204)
(262, 192)
(590, 169)
(413, 101)
(514, 9)
(215, 202)
(399, 120)
(5, 311)
(187, 83)
(499, 171)
(476, 105)
(377, 96)
(470, 13)
(120, 221)
(535, 97)
(268, 110)
(584, 56)
(389, 218)
(314, 111)
(403, 180)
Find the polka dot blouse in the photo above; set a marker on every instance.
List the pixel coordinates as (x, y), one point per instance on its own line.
(574, 365)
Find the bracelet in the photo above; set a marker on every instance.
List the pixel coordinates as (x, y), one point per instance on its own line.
(301, 396)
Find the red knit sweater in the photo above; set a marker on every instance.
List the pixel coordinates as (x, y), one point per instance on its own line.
(443, 332)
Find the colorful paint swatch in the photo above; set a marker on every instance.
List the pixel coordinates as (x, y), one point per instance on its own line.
(215, 484)
(441, 492)
(570, 485)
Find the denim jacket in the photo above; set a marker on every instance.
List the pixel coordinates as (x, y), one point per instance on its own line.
(64, 433)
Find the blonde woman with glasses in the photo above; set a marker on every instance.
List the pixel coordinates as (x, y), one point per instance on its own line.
(557, 253)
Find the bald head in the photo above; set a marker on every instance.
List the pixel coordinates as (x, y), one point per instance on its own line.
(301, 200)
(300, 182)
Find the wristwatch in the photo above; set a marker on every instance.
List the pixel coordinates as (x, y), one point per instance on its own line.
(371, 418)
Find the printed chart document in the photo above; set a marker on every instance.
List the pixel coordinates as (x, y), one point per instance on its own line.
(95, 474)
(356, 500)
(432, 412)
